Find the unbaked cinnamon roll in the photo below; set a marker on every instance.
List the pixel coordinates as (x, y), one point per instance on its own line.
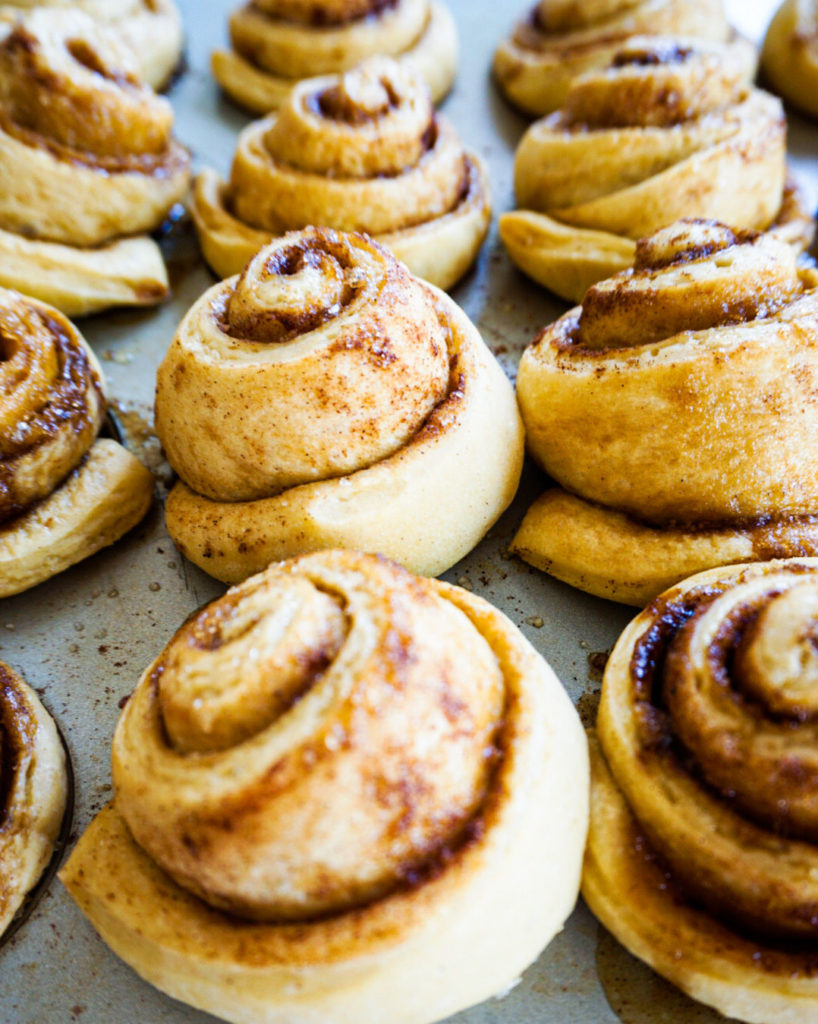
(276, 43)
(87, 165)
(152, 29)
(361, 151)
(561, 39)
(64, 494)
(676, 409)
(702, 856)
(670, 129)
(789, 59)
(340, 787)
(33, 791)
(326, 398)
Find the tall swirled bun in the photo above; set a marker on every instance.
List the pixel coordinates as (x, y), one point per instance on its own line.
(360, 151)
(87, 160)
(152, 31)
(327, 398)
(652, 406)
(278, 42)
(671, 128)
(340, 787)
(63, 493)
(701, 856)
(561, 39)
(34, 788)
(789, 59)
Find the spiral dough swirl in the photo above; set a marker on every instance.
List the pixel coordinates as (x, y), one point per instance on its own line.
(670, 129)
(357, 774)
(324, 373)
(362, 151)
(278, 42)
(707, 730)
(537, 65)
(651, 403)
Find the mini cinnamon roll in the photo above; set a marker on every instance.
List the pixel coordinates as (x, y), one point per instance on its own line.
(276, 43)
(152, 30)
(702, 856)
(326, 398)
(87, 160)
(671, 129)
(63, 493)
(361, 151)
(33, 791)
(789, 58)
(561, 39)
(339, 787)
(676, 408)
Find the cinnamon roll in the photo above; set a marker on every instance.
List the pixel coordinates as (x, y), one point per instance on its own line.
(326, 398)
(670, 129)
(676, 408)
(340, 787)
(87, 162)
(278, 42)
(33, 791)
(63, 493)
(561, 39)
(789, 58)
(152, 30)
(360, 151)
(701, 857)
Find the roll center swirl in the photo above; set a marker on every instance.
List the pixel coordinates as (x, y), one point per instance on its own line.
(295, 289)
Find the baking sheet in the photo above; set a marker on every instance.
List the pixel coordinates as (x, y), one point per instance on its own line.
(83, 638)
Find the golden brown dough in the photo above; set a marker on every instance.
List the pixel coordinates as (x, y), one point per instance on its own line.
(789, 59)
(152, 29)
(34, 791)
(677, 409)
(561, 39)
(669, 129)
(360, 151)
(701, 856)
(86, 159)
(63, 494)
(340, 787)
(327, 398)
(278, 42)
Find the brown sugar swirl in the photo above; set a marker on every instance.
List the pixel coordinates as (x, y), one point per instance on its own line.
(64, 493)
(359, 151)
(676, 409)
(316, 777)
(536, 66)
(707, 727)
(670, 129)
(33, 791)
(277, 43)
(151, 29)
(289, 391)
(51, 402)
(88, 164)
